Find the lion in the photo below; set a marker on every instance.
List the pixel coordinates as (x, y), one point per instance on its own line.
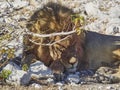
(89, 50)
(61, 56)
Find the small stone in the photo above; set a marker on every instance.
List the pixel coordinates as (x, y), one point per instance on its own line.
(60, 83)
(113, 27)
(109, 88)
(73, 78)
(50, 80)
(7, 20)
(82, 82)
(36, 85)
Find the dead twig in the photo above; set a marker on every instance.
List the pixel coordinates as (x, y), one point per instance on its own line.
(49, 44)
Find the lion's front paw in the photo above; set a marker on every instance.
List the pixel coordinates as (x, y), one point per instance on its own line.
(58, 69)
(59, 77)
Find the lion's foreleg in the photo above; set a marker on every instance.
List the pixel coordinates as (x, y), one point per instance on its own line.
(58, 69)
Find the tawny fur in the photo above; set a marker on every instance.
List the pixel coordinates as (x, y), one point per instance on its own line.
(101, 51)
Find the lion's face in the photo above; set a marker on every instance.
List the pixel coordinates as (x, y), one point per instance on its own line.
(65, 51)
(69, 59)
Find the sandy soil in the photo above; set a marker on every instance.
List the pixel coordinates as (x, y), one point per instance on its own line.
(66, 87)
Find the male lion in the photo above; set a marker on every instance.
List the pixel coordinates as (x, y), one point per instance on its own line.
(60, 56)
(75, 52)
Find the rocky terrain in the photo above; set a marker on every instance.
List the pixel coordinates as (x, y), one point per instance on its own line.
(101, 16)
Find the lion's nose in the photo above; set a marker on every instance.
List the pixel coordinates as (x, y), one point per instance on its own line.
(72, 60)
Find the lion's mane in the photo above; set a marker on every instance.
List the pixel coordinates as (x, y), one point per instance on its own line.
(53, 18)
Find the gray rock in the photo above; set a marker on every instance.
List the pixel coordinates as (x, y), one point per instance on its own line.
(4, 5)
(19, 4)
(92, 9)
(114, 12)
(11, 66)
(40, 70)
(50, 80)
(73, 78)
(18, 77)
(35, 85)
(8, 20)
(113, 26)
(113, 29)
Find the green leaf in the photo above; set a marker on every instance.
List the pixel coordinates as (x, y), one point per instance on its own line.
(25, 67)
(5, 73)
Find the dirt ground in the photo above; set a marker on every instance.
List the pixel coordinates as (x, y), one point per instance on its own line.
(66, 87)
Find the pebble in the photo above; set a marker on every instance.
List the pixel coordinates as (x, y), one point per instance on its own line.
(110, 88)
(50, 80)
(73, 78)
(4, 5)
(38, 86)
(60, 83)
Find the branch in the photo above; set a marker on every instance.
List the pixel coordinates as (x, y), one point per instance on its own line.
(50, 35)
(49, 44)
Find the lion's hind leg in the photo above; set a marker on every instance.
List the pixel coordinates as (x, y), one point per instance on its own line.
(107, 75)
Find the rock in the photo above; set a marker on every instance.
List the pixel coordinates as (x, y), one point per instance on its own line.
(19, 4)
(8, 20)
(4, 5)
(40, 70)
(18, 77)
(50, 80)
(35, 85)
(73, 78)
(110, 88)
(60, 83)
(113, 12)
(113, 27)
(25, 78)
(92, 10)
(11, 66)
